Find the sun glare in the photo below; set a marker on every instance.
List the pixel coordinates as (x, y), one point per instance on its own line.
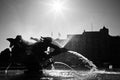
(57, 6)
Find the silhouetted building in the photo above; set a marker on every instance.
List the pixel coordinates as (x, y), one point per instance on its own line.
(98, 46)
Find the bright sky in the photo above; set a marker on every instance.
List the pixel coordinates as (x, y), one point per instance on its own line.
(45, 17)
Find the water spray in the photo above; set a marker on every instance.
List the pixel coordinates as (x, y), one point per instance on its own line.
(94, 67)
(6, 70)
(75, 72)
(63, 44)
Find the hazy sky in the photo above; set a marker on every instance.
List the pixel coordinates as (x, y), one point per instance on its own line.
(36, 17)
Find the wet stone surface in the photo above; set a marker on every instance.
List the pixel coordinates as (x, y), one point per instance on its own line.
(60, 75)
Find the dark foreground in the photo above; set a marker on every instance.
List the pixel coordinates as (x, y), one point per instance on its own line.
(60, 75)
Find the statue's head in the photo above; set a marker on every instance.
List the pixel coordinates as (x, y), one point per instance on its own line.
(46, 39)
(18, 38)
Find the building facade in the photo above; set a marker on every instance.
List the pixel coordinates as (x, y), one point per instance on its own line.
(97, 46)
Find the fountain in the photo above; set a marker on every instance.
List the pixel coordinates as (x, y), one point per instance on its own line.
(69, 65)
(69, 62)
(63, 67)
(74, 60)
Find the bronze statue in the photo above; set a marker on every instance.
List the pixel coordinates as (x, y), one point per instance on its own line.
(33, 56)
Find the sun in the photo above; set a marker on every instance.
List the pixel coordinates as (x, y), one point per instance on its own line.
(57, 6)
